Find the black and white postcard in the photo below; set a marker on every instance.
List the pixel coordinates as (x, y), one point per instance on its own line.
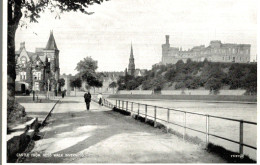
(129, 81)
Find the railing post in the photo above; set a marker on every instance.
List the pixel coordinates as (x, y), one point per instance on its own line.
(184, 125)
(241, 137)
(168, 120)
(126, 105)
(145, 113)
(123, 105)
(116, 103)
(207, 130)
(138, 109)
(155, 116)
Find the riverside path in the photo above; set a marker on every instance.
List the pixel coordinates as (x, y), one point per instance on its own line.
(74, 135)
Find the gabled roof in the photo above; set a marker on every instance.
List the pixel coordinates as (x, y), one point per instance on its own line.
(51, 45)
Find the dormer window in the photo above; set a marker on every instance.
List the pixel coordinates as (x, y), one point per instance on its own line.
(23, 60)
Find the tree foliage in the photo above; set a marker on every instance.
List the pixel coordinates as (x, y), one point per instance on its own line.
(61, 82)
(76, 82)
(87, 71)
(129, 82)
(209, 75)
(113, 84)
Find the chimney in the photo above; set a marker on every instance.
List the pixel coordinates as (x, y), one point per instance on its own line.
(22, 45)
(167, 39)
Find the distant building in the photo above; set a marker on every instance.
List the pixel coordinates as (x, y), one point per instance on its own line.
(107, 78)
(67, 86)
(215, 52)
(36, 70)
(131, 66)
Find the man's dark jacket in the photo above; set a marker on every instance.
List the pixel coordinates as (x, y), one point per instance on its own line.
(87, 97)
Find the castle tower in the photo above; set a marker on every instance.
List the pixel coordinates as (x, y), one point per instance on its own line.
(165, 49)
(131, 65)
(52, 53)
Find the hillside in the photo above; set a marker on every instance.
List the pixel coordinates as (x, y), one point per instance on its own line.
(212, 76)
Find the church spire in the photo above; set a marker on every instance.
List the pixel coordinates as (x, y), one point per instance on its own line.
(131, 65)
(51, 45)
(131, 53)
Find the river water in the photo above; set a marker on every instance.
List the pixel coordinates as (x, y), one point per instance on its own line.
(224, 128)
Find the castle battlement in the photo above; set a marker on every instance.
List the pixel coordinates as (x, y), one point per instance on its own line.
(216, 52)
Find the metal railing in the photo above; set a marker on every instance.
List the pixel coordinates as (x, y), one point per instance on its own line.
(104, 102)
(129, 106)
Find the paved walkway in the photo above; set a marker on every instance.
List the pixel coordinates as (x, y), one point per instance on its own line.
(100, 135)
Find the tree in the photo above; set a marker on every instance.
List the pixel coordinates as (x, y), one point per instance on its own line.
(170, 74)
(214, 85)
(61, 82)
(31, 9)
(87, 71)
(113, 85)
(76, 83)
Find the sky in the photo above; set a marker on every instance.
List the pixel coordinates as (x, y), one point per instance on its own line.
(107, 34)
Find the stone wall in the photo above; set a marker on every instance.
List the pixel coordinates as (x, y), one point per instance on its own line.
(185, 92)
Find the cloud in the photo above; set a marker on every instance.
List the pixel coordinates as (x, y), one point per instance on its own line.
(106, 35)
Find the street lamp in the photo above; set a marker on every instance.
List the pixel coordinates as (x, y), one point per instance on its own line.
(34, 78)
(48, 88)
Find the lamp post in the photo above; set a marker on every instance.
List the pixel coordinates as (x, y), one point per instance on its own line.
(48, 89)
(34, 78)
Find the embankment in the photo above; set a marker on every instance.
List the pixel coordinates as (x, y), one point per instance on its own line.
(211, 98)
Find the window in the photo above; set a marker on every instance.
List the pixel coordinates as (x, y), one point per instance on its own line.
(223, 58)
(23, 60)
(37, 75)
(228, 57)
(23, 75)
(234, 50)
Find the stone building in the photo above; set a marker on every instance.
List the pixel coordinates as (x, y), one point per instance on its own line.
(215, 52)
(34, 71)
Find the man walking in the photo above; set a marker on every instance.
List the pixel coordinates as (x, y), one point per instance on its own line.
(87, 97)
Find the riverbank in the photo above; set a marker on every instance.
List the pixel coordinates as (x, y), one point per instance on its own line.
(206, 98)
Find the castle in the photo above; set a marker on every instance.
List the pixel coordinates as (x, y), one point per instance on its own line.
(34, 71)
(215, 52)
